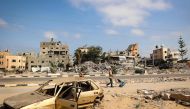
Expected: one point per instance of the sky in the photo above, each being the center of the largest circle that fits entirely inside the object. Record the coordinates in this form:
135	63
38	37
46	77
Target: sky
111	24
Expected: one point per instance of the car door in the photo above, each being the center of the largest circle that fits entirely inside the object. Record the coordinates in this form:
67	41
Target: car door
68	99
65	104
87	96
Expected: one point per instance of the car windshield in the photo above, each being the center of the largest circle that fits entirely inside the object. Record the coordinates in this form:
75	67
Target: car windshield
48	89
51	89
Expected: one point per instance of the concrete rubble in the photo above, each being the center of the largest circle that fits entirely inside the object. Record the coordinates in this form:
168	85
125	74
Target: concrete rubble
89	68
148	94
179	95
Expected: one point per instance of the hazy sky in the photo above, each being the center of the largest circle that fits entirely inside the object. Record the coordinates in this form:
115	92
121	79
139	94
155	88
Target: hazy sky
112	24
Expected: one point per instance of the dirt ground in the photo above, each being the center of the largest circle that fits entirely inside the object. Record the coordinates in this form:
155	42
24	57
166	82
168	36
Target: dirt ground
121	98
127	98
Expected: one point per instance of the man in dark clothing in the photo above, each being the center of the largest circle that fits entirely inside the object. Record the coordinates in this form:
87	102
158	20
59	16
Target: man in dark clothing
110	77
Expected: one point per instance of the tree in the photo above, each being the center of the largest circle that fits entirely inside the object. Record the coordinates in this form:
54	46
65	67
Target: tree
94	54
67	66
53	67
61	65
182	49
78	56
103	57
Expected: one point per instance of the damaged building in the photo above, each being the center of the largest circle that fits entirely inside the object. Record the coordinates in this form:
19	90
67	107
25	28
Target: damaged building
51	52
133	50
162	53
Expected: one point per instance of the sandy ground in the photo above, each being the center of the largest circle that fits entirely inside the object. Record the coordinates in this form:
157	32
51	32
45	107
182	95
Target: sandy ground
120	98
125	97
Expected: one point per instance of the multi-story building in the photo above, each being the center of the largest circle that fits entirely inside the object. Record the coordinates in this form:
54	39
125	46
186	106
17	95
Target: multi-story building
50	52
53	48
174	56
10	62
15	63
84	50
133	50
164	54
55	52
160	53
32	60
3	55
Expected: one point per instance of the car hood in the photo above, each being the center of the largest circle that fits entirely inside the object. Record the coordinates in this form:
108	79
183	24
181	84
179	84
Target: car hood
25	99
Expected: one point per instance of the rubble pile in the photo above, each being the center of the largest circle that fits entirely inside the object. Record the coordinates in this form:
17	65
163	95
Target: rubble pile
181	66
148	94
179	95
155	70
90	67
152	70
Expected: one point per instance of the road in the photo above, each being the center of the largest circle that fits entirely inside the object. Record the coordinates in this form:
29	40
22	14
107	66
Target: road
42	79
11	91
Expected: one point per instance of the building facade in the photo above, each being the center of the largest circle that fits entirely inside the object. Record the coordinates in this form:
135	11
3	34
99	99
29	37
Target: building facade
163	54
174	56
15	63
51	52
133	50
10	62
3	55
160	53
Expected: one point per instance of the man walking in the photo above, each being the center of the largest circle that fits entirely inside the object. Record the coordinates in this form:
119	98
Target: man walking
110	77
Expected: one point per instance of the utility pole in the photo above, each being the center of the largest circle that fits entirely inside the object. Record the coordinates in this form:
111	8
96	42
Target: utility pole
153	59
144	62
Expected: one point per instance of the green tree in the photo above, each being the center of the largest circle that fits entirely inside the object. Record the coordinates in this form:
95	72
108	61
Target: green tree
103	57
67	66
182	49
61	65
53	67
78	56
94	54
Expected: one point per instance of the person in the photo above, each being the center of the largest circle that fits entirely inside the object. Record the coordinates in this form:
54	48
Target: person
110	77
81	73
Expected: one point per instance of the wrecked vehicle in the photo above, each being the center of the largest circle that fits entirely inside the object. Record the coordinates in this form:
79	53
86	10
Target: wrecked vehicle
59	94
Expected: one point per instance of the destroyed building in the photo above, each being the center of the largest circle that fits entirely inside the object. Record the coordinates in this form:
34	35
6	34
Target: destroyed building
133	50
84	49
50	52
55	52
163	54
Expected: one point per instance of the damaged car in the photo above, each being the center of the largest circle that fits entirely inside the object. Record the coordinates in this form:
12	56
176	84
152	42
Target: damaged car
59	94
